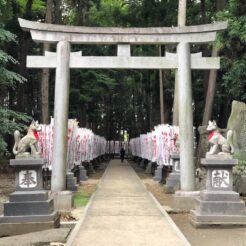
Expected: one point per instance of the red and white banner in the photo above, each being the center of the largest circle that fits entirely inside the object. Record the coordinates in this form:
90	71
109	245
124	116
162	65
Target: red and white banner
82	144
158	145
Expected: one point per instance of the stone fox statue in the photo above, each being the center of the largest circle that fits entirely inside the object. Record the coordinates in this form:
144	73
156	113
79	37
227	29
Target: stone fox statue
219	143
22	145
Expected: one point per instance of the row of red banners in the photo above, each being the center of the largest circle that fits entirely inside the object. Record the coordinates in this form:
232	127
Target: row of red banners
83	144
158	145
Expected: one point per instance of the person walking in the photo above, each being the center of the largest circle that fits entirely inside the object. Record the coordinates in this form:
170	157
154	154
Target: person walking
122	154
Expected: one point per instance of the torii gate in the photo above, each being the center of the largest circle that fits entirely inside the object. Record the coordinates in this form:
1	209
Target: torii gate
63	60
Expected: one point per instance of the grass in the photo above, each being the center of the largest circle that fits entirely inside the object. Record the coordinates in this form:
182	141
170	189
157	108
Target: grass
80	199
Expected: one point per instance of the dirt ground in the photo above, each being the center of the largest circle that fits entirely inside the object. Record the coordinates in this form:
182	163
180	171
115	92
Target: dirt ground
214	235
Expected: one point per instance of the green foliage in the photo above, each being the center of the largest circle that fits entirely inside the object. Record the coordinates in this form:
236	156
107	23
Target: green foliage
9	122
7	77
38	6
9	119
5	11
232	44
6	36
109	13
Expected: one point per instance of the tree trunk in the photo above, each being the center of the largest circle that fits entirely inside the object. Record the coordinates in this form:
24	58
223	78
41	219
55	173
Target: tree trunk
212	78
81	12
161	91
57	12
210	91
24	45
45	71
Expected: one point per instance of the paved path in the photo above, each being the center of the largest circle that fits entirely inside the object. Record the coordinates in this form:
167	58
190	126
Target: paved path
122	212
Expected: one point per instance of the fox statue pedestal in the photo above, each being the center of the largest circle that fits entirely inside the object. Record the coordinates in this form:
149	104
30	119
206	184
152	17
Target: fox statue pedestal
29	208
218	204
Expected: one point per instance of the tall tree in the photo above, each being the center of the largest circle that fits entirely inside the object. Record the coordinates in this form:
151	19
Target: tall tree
212	78
45	71
9	119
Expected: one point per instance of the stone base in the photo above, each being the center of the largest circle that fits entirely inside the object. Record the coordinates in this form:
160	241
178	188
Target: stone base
218	207
185	200
143	163
158	174
91	168
82	174
62	200
148	169
96	163
11	228
173	183
71	182
200	221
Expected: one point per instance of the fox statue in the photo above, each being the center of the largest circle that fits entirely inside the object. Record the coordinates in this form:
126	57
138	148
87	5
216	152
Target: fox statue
218	141
22	145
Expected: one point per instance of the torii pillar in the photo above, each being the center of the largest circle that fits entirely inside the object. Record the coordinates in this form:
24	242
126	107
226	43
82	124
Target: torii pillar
62	85
187	172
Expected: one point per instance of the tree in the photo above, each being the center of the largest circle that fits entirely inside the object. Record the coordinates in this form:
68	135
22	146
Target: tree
212	79
9	119
45	71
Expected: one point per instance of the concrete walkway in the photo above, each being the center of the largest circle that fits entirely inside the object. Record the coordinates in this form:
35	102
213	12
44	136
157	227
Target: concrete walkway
122	212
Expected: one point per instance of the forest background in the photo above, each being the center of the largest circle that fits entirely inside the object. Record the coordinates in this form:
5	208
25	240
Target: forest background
109	101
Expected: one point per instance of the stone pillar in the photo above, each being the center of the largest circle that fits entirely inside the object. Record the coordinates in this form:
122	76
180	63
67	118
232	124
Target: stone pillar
187	175
173	180
58	180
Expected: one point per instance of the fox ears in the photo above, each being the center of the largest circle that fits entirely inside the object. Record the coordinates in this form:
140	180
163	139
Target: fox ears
34	122
212	122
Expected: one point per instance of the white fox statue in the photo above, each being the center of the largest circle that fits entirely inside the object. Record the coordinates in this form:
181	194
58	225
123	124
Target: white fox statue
22	145
218	141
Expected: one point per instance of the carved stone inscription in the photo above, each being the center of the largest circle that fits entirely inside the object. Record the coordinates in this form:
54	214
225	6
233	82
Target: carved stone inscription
177	166
220	179
27	178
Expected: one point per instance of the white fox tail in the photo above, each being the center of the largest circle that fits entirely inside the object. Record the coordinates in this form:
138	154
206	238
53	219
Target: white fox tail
17	137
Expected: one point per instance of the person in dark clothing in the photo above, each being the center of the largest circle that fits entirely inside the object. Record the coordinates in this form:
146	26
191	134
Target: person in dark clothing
122	154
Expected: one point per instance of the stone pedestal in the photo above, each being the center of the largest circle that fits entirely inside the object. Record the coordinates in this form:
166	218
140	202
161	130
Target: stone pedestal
148	169
90	168
63	200
29	208
143	163
173	180
71	182
96	163
158	173
219	204
184	200
80	173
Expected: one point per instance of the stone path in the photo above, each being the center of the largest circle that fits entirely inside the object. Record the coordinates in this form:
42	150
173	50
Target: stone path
122	212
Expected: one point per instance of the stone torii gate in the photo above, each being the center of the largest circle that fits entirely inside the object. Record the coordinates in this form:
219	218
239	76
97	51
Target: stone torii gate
63	60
